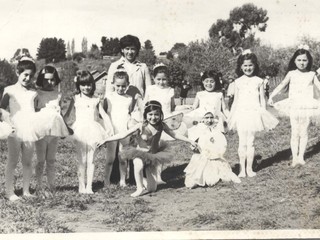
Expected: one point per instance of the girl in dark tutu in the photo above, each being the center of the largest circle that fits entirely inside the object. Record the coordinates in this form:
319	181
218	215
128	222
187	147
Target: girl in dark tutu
148	152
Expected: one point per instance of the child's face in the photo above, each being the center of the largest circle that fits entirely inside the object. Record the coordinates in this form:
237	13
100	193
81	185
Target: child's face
25	77
210	120
120	86
161	80
247	67
301	62
130	53
48	82
209	84
86	89
153	117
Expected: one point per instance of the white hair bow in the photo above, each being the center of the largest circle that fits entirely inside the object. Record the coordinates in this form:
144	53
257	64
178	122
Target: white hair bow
26	58
247	51
159	65
304	46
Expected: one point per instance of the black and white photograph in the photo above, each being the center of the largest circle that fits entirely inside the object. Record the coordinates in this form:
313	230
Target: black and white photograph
149	119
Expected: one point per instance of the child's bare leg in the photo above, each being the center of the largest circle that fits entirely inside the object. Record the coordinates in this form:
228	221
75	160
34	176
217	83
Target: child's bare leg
110	156
250	154
138	176
41	148
27	154
123	165
242	152
51	159
151	172
294	140
82	161
303	130
158	174
90	170
14	149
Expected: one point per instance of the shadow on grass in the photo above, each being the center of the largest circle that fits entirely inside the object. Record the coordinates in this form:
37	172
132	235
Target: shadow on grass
283	155
174	176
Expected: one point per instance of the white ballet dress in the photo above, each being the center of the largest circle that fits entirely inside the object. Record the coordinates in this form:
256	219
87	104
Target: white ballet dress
246	112
301	101
22	113
164	96
88	127
119	107
49	114
208	166
208	102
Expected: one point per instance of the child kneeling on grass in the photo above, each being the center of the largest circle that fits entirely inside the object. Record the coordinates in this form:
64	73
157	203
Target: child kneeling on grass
148	153
208	166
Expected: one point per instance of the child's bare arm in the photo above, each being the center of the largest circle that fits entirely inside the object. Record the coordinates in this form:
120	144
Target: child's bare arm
70	108
279	88
178	136
122	135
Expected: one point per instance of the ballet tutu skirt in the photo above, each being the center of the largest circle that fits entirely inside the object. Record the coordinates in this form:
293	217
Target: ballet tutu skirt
26	127
90	133
304	107
51	122
164	155
254	119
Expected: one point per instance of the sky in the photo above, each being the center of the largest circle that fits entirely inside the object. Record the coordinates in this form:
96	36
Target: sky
23	23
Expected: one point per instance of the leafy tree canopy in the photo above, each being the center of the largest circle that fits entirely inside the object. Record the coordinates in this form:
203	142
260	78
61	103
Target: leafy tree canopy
110	46
52	50
243	23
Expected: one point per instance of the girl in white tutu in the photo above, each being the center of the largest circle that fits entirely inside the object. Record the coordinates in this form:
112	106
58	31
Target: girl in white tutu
209	100
148	153
89	129
19	100
248	113
48	102
164	94
119	107
301	104
208	166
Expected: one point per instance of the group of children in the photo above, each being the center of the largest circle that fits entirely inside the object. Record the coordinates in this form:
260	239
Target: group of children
34	121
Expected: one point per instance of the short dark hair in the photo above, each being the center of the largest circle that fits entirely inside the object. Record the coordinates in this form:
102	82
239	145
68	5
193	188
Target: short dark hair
151	106
254	60
85	77
47	69
212	74
26	65
130	40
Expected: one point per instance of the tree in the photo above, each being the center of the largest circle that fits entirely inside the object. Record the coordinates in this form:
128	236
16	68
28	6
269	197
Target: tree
147	54
69	55
84	45
52	50
110	46
7	73
72	47
148	45
94	52
176	72
243	23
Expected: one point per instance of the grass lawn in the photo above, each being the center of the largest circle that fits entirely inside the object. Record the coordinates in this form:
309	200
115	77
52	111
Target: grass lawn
279	197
